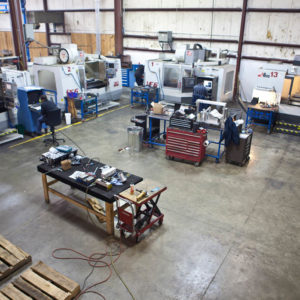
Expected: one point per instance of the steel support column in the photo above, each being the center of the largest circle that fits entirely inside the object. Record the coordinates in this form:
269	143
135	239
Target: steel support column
240	48
17	32
118	27
45	3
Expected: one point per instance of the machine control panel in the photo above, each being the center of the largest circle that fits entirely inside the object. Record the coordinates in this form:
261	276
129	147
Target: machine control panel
110	70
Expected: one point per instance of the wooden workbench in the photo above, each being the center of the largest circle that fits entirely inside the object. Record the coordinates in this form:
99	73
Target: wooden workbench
107	196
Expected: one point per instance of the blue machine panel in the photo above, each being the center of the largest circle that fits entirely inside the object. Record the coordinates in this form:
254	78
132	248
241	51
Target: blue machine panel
29	107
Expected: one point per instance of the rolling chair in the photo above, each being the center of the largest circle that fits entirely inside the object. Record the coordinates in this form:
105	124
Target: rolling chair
52	119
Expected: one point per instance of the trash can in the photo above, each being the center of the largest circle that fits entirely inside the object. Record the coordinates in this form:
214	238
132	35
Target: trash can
135	138
20	128
68	118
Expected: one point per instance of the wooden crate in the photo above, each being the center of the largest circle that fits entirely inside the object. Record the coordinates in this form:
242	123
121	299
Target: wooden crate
40	282
11	258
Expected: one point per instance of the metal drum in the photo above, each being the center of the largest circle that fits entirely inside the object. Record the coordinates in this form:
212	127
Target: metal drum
135	138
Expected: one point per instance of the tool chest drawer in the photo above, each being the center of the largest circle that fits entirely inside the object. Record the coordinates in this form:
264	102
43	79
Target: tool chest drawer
185	145
239	154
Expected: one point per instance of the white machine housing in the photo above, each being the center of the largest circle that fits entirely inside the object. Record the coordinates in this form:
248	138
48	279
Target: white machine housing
176	77
12	80
64	77
21	78
268	97
168	76
59	78
68	53
223	75
269	84
176	80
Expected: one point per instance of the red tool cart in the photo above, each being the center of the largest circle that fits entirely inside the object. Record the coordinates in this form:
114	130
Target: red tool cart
186	145
137	214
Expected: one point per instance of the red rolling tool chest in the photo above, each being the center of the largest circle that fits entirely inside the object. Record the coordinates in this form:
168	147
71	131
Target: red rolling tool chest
186	144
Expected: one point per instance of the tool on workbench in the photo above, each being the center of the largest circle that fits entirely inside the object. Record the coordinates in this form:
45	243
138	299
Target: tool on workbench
141	196
132	189
53	157
94	173
64	148
122	177
107	171
66	164
85	179
103	184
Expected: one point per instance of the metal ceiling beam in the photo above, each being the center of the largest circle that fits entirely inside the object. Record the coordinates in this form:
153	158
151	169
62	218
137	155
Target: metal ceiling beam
17	32
258	58
286	61
191	9
59	33
229	41
185	9
152	37
78	10
148	50
274	10
271	44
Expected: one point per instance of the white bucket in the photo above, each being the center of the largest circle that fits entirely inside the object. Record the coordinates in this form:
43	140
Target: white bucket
68	118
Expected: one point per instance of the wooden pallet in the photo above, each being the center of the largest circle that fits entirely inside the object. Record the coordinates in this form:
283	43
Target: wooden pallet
40	282
11	258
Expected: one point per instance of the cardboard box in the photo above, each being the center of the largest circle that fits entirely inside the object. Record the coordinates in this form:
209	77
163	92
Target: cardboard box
66	164
158	108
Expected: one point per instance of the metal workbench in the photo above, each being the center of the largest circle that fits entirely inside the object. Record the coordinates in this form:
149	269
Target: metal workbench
261	116
165	119
144	95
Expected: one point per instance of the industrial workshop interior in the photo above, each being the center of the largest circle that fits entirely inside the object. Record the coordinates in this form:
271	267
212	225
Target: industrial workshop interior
149	149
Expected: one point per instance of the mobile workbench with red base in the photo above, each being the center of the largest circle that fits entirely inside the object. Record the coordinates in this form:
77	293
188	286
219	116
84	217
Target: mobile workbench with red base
137	214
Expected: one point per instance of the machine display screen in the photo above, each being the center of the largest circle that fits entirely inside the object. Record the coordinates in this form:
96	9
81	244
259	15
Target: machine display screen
51	96
207	84
34	96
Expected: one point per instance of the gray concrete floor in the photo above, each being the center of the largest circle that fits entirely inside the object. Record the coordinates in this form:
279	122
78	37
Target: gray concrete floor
228	233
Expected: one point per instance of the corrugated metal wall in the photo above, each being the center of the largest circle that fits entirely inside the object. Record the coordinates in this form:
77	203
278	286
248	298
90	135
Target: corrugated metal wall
270	27
273	27
262	26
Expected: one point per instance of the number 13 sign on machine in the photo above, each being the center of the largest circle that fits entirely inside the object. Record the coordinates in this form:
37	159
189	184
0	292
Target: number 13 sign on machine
270	78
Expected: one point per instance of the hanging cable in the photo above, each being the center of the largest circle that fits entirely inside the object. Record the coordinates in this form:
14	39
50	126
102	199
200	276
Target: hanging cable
95	260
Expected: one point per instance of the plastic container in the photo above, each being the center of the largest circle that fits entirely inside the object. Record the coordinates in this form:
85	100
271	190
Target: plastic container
135	138
68	118
20	128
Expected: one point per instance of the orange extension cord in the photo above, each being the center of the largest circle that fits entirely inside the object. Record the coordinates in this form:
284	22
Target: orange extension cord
95	260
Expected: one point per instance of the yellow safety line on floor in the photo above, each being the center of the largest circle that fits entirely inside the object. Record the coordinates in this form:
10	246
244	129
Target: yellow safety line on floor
68	126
